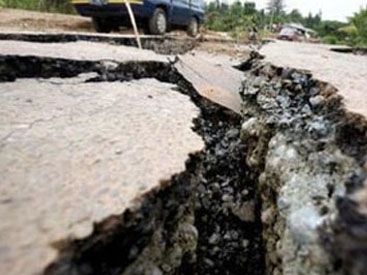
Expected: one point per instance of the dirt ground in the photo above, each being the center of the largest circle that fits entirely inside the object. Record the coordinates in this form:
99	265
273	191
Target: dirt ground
21	20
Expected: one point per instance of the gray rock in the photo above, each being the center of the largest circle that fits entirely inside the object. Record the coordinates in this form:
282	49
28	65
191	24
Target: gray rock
303	225
317	100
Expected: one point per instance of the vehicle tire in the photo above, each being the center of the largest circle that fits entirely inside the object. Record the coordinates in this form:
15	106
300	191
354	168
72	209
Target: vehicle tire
158	22
102	25
193	27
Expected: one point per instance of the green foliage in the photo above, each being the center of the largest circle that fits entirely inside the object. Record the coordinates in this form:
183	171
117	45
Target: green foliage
331	39
238	19
312	21
276	7
359	21
295	16
62	6
325	28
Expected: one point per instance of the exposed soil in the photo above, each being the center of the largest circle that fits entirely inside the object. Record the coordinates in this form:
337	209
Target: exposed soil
21	20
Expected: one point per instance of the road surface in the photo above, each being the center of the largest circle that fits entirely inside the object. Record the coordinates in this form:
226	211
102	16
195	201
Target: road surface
73	154
347	72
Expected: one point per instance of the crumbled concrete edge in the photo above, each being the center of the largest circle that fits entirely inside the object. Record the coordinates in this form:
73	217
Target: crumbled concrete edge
310	154
350	50
153	237
204	220
159	44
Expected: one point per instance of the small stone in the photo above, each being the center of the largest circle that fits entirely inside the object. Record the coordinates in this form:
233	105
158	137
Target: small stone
234	235
318	129
244	243
226	198
257	82
232	133
303	225
267	215
214	239
216	186
208	262
250	127
306	111
156	271
245	211
166	267
201	189
317	100
225	183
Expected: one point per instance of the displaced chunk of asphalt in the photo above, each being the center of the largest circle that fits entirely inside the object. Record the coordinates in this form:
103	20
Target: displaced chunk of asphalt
348	73
74	153
80	50
213	77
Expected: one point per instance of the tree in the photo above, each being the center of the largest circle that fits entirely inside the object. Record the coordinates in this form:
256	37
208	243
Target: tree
295	16
313	21
276	7
249	8
359	20
276	10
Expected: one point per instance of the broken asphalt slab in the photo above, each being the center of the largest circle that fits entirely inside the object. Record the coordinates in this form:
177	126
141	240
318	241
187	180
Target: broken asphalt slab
80	50
206	216
346	72
212	76
168	44
73	154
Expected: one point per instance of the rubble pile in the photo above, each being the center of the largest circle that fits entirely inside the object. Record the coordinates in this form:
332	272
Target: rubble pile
310	153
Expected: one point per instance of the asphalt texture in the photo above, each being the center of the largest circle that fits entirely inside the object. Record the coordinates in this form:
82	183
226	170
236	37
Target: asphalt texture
75	153
346	72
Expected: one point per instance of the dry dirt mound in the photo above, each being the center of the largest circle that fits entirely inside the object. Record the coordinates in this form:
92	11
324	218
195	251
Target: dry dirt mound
20	20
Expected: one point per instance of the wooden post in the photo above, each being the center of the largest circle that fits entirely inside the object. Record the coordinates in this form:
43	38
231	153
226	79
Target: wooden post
133	22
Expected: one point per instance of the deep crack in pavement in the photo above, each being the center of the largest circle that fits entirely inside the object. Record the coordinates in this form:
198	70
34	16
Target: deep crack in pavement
278	189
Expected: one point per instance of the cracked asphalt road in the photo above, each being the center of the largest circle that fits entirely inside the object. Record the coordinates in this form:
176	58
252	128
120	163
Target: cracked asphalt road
73	154
80	50
347	72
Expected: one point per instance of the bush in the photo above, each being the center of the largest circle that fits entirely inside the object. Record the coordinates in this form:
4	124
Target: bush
359	20
330	39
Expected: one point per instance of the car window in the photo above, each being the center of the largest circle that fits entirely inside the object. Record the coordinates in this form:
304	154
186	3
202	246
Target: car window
198	3
185	2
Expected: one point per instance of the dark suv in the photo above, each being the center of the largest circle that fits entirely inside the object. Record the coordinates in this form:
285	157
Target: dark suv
157	16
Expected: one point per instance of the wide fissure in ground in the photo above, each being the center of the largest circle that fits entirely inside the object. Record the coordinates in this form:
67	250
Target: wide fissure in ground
205	220
260	196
